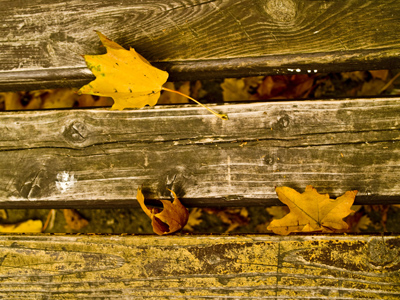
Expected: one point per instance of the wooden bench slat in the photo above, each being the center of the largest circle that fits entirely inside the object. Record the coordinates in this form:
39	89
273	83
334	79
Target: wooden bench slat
195	39
80	158
199	267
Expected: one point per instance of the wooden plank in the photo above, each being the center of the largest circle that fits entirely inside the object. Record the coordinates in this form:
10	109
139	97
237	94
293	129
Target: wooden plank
60	158
41	41
199	267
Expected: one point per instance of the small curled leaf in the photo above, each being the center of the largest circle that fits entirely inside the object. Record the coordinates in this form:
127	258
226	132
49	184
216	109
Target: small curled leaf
172	218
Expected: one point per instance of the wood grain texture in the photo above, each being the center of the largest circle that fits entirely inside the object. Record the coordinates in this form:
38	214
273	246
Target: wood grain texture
99	157
196	38
199	267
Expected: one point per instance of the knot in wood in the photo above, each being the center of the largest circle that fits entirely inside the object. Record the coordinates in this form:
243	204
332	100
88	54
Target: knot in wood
282	123
76	132
381	256
281	10
268	160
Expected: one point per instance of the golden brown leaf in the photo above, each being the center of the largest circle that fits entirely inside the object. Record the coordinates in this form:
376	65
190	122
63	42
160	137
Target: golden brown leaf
363	223
74	220
58	98
92	101
277	212
380	74
311	211
234	217
172	218
194	219
3	214
238	89
21	100
124	75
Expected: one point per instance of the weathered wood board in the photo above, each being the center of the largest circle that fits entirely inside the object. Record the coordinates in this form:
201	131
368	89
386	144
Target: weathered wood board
199	267
41	41
65	158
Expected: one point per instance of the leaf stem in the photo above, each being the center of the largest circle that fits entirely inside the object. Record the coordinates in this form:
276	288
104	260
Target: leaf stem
222	116
389	83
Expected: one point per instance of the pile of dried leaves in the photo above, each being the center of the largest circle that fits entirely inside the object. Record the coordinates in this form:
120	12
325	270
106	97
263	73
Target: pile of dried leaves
262	88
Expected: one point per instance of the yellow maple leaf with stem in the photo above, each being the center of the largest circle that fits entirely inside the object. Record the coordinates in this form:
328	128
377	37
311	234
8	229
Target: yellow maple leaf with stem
311	211
128	78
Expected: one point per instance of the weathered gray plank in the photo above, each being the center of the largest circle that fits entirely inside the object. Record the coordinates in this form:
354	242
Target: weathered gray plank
41	41
199	267
99	157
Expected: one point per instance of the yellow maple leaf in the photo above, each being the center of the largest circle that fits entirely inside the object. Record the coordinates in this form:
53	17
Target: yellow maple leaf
172	218
128	78
124	75
27	226
194	219
311	211
362	224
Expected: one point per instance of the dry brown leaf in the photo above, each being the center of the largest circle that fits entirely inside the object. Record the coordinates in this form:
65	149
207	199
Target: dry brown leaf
303	88
234	217
371	88
324	86
272	87
354	76
380	74
74	220
172	218
383	211
311	211
285	87
354	219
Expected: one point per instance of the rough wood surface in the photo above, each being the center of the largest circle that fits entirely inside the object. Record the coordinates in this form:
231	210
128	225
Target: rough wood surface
199	267
41	41
92	157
